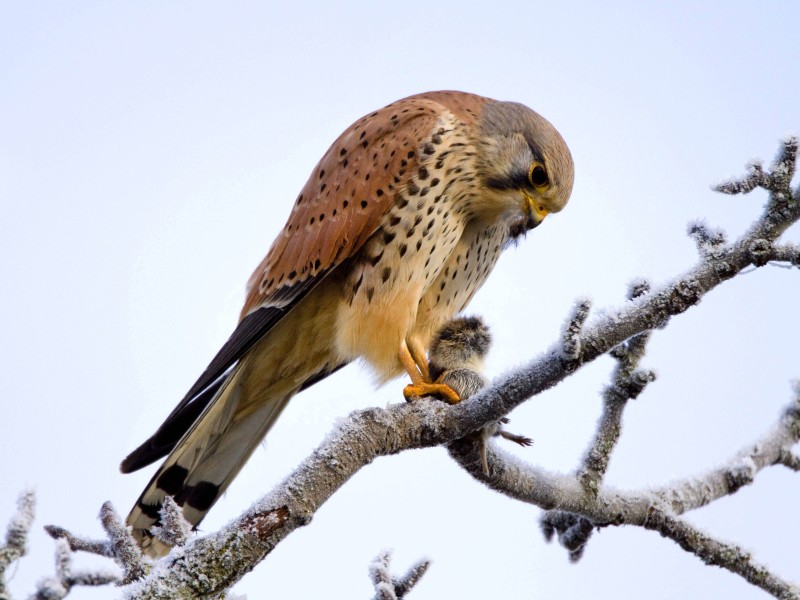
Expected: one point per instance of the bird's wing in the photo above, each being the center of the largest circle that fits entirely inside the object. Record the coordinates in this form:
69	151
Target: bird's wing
340	207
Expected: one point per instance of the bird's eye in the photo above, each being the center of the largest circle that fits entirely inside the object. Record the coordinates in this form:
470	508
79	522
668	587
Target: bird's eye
537	175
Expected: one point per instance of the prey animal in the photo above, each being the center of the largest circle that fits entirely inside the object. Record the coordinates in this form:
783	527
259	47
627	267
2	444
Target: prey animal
456	359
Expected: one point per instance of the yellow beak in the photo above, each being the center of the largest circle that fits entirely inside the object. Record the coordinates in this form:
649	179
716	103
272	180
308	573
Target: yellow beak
535	209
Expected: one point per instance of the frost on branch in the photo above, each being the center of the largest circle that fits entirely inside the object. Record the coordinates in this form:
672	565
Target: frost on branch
389	587
571	334
53	587
58	586
628	381
777	180
577	502
576	506
174	530
16	537
120	546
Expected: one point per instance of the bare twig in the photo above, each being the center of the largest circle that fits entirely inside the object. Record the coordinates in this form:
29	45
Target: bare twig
174	529
627	383
16	537
571	334
126	551
389	587
77	544
55	588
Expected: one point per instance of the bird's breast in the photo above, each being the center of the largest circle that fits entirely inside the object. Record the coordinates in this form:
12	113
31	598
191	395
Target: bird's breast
406	256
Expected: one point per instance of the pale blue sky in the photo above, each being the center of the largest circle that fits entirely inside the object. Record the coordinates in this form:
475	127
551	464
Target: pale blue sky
150	151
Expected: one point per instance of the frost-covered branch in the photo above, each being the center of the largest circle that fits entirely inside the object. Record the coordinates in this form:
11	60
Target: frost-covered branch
627	382
58	586
174	529
65	578
16	537
786	253
222	558
389	587
571	505
120	546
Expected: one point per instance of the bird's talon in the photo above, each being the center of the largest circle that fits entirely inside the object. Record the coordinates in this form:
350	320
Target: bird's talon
419	390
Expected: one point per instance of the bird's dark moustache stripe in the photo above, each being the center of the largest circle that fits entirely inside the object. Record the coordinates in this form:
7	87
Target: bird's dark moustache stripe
514	181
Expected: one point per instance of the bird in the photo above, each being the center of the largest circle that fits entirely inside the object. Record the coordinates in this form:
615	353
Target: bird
396	228
455	358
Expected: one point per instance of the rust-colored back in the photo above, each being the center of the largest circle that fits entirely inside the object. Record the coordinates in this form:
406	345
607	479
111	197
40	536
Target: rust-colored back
349	192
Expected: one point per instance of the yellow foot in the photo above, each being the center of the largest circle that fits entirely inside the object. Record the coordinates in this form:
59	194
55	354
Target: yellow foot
423	388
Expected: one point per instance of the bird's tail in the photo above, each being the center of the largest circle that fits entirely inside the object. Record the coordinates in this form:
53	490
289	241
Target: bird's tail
207	458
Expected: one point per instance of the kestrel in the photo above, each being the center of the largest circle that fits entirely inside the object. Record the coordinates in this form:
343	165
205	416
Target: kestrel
395	230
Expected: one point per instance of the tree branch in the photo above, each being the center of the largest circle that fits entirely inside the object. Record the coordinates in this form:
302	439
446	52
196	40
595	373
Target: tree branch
224	557
627	383
16	537
389	587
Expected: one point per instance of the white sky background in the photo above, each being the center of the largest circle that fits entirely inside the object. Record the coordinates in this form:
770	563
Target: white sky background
150	152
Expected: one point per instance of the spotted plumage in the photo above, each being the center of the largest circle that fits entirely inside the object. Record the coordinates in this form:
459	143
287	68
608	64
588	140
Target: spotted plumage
395	230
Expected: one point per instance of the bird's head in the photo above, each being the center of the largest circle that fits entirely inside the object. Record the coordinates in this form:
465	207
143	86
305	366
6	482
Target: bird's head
524	164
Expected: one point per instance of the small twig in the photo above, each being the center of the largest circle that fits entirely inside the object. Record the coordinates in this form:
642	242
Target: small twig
55	588
754	178
571	333
627	382
174	529
78	544
126	551
709	241
16	536
389	587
